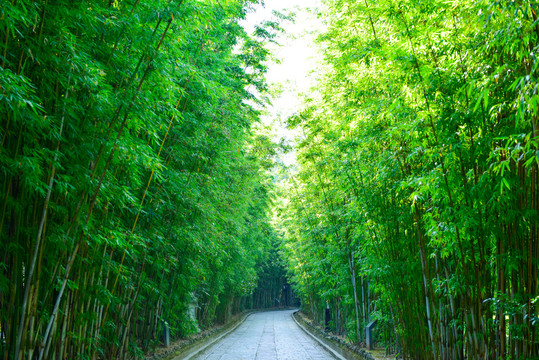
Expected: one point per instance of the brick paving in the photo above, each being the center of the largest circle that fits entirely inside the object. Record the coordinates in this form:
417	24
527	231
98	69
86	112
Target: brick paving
271	335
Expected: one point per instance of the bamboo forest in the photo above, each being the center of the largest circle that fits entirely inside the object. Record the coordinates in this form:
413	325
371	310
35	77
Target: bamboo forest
140	187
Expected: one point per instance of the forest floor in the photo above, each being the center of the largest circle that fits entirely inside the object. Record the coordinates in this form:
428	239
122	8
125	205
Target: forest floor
378	353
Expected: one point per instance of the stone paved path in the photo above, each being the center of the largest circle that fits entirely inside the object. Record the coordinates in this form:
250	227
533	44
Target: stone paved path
271	335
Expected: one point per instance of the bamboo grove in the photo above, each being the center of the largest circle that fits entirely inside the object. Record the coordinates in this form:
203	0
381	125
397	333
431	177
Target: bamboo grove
416	199
133	188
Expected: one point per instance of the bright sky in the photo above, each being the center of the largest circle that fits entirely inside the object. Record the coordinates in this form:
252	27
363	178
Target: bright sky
298	56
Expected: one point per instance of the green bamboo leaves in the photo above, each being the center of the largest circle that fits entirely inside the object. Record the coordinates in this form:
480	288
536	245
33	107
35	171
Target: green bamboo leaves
419	158
130	193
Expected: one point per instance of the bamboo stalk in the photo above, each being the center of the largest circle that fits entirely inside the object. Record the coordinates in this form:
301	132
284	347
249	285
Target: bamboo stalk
351	264
37	246
425	281
52	320
64	327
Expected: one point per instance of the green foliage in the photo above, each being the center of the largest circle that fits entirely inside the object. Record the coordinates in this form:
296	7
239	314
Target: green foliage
131	188
418	161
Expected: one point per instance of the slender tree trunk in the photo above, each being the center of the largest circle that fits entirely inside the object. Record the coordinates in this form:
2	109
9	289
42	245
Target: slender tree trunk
426	286
352	266
37	247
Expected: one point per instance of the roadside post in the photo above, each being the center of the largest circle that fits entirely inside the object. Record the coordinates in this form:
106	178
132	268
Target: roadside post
166	334
327	317
369	336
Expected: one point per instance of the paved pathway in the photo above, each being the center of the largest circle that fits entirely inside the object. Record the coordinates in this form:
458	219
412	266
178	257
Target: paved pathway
271	335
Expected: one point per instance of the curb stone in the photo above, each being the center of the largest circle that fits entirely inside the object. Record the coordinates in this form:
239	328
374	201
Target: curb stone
193	349
199	342
344	349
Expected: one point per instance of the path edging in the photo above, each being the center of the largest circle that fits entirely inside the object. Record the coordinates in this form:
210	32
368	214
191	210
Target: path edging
340	351
194	348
